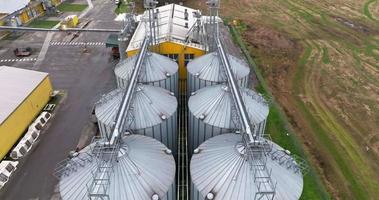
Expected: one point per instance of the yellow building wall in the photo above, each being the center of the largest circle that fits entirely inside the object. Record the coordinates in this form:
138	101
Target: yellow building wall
55	2
39	9
174	48
24	17
2	23
16	124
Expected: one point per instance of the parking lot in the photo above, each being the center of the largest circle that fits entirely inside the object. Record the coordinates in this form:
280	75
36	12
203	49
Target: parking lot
82	76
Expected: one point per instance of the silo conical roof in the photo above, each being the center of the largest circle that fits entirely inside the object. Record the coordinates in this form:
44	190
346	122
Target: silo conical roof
155	67
143	169
151	105
214	104
209	67
220	168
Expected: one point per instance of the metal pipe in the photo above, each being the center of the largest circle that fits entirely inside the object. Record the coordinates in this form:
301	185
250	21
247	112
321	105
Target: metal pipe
11	28
128	96
234	88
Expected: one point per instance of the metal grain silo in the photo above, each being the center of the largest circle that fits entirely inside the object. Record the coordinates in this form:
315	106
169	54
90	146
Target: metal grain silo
207	70
220	171
212	110
157	70
144	170
153	113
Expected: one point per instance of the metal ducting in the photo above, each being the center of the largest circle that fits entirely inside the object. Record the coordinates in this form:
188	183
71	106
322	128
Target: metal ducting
220	171
212	109
153	114
207	70
143	169
157	70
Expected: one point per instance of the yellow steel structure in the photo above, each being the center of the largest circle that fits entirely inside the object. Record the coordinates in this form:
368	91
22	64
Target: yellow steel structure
169	47
35	97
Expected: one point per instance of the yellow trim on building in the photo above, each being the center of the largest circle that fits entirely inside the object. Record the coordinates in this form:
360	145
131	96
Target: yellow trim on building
39	9
17	122
174	48
24	16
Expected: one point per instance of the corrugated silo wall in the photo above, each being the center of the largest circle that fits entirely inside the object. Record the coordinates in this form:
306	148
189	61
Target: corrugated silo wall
170	84
165	132
194	83
260	130
198	132
171	193
195	194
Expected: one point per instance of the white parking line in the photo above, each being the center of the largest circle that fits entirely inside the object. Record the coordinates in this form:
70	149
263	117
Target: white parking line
77	43
18	60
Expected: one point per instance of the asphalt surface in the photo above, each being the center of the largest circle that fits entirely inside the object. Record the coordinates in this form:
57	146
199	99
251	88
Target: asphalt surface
84	77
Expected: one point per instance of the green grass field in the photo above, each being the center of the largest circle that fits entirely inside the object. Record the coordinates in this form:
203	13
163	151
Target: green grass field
71	7
278	127
122	8
43	24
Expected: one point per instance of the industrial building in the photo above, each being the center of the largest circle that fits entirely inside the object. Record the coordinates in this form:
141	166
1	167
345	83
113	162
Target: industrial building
214	125
24	93
178	35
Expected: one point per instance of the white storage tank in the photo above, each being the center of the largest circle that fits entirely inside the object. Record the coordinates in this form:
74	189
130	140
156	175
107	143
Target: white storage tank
219	171
211	109
208	70
153	113
156	70
144	170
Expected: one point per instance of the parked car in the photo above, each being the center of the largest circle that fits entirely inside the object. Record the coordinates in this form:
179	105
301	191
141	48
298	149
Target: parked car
23	52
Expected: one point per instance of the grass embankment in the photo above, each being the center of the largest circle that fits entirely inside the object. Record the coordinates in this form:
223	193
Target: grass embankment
121	8
71	7
279	128
43	23
366	9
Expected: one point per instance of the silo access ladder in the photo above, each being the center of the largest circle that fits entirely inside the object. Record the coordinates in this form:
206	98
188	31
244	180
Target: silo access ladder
256	153
106	157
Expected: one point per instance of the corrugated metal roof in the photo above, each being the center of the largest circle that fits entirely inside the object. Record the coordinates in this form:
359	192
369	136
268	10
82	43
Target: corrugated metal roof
221	170
171	27
9	7
215	103
209	67
15	86
150	103
143	169
155	67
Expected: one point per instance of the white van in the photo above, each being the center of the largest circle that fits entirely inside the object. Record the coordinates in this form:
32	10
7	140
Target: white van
6	170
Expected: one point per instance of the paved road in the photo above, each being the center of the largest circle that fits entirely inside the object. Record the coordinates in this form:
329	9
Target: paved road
85	77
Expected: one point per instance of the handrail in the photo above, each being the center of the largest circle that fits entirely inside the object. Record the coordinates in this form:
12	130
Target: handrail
128	96
234	88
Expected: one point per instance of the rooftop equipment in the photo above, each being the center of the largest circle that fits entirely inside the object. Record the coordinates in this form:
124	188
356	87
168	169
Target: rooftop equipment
212	112
208	70
220	170
156	70
144	169
152	113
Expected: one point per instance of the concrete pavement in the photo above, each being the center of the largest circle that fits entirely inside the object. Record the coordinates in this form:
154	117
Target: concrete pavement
85	77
